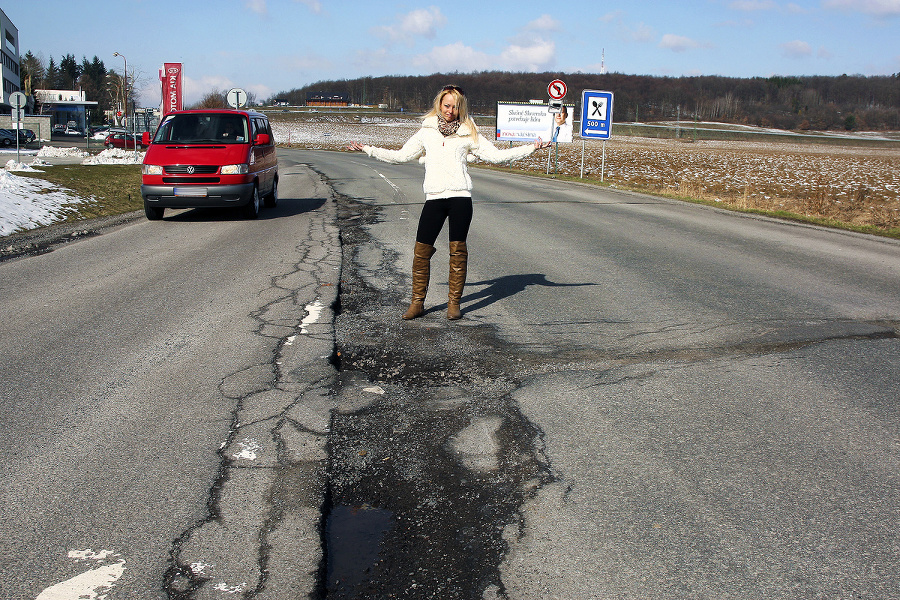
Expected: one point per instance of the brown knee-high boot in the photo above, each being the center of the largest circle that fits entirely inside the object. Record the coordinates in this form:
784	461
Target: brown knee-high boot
421	272
459	256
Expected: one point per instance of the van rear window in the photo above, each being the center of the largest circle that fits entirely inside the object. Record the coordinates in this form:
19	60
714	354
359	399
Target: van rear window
201	128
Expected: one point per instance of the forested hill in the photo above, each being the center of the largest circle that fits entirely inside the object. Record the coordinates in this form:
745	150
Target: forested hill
812	102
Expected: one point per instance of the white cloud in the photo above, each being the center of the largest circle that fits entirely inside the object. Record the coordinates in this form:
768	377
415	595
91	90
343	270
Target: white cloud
678	43
314	5
751	5
257	6
422	22
877	8
454	57
544	23
611	16
538	56
796	49
639	33
796	9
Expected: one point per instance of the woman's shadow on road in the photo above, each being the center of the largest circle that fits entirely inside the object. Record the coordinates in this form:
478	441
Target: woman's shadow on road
506	286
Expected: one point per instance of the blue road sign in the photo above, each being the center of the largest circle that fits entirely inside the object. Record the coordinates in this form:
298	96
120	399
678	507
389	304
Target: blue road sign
596	114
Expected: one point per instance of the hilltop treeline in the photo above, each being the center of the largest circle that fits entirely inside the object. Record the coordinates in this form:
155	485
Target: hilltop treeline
794	103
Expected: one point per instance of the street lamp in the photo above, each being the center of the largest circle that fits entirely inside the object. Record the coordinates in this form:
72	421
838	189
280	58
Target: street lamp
125	99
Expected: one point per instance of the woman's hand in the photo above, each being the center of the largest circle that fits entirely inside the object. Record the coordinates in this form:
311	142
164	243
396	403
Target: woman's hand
538	144
355	147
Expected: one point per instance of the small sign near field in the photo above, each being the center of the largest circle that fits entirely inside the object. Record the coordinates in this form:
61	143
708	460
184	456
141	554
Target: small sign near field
557	89
596	114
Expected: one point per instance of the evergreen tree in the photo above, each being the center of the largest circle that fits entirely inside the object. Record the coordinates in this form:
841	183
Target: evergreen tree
51	78
93	82
33	73
69	72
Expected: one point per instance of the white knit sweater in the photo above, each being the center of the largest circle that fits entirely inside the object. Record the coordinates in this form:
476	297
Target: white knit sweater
446	168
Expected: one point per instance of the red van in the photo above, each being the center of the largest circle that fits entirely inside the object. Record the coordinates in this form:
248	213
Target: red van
210	158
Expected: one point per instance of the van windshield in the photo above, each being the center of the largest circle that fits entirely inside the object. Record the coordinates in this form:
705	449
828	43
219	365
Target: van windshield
203	128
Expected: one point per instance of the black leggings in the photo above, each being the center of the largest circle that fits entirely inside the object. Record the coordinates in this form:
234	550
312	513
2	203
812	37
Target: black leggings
435	212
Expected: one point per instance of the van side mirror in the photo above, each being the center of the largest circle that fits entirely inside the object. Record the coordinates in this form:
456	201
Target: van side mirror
262	139
145	138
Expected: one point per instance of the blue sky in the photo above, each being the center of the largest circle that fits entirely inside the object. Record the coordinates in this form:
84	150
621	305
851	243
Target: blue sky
267	46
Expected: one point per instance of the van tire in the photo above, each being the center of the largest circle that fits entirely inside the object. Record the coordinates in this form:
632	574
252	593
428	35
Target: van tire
271	198
251	211
154	213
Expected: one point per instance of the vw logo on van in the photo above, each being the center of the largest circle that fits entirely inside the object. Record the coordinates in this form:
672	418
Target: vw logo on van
190	170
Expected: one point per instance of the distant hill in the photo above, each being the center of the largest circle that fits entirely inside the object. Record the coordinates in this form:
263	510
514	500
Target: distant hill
847	102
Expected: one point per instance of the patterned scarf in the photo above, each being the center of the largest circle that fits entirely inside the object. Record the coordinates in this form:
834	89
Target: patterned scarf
446	128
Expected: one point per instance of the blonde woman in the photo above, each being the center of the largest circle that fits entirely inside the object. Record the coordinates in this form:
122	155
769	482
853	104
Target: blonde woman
447	137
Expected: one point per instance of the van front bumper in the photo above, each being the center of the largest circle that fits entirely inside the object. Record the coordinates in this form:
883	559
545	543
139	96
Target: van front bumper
196	196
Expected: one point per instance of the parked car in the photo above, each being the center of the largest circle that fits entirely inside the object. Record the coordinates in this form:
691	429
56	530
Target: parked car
99	132
59	128
120	139
26	136
7	137
210	158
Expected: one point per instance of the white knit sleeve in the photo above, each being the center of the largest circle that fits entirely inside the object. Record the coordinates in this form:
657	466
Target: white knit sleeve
413	148
487	151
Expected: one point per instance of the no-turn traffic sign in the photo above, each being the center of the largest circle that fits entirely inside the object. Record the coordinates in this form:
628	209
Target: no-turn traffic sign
556	89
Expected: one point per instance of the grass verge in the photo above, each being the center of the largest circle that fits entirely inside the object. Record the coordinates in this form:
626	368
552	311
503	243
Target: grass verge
105	190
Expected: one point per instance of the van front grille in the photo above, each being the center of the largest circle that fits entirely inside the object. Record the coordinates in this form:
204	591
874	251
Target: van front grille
177	180
191	169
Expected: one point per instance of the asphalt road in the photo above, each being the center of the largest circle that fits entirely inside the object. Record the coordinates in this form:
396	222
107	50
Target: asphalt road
644	399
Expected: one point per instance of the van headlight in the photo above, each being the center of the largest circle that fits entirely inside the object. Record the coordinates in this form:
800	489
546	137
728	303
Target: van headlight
235	169
151	169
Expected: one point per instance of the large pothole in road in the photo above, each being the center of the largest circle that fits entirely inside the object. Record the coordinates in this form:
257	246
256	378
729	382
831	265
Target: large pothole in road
425	479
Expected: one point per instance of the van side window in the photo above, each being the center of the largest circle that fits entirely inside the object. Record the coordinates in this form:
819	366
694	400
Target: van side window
261	126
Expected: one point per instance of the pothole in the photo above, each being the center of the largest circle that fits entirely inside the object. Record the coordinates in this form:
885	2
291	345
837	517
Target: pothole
426	478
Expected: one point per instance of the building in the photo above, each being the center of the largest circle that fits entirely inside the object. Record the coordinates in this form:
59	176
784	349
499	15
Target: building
324	99
12	81
68	109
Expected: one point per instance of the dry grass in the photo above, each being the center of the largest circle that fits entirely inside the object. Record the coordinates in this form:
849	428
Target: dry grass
856	186
851	186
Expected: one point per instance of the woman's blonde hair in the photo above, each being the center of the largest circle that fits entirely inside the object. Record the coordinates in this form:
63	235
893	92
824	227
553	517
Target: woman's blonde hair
462	107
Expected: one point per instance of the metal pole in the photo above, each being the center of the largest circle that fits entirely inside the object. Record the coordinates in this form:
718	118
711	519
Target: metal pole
603	162
125	100
582	158
556	159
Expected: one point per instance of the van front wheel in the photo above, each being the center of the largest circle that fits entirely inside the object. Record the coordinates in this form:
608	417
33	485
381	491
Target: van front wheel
154	213
251	211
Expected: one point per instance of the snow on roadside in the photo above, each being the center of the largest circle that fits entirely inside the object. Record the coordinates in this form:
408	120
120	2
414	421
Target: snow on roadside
57	152
28	203
115	156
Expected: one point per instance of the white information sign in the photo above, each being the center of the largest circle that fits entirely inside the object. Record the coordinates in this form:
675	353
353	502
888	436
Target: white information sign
525	122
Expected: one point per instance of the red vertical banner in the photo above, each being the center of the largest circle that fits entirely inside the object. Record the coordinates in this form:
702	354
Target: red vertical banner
170	79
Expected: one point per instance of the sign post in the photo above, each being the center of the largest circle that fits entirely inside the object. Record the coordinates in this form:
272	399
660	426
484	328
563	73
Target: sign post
237	98
596	121
17	101
557	91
